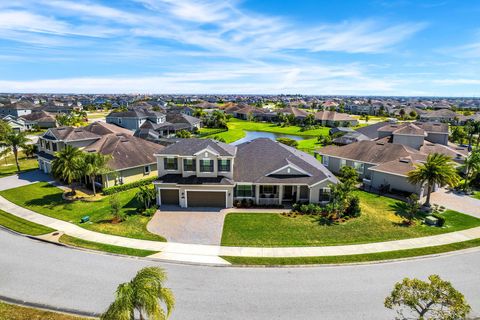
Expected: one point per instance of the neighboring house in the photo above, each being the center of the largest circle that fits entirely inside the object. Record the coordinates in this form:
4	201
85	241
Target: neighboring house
441	115
324	118
40	119
16	123
462	120
175	122
384	163
132	157
17	109
135	118
208	173
244	111
60	107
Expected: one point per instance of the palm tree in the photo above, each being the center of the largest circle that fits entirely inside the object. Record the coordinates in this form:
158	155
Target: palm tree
471	167
95	164
437	170
15	140
68	165
143	295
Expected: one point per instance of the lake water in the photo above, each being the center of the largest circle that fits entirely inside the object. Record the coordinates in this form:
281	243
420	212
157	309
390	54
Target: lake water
250	135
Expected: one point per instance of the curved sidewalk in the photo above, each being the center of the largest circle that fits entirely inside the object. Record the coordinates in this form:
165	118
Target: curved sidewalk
210	254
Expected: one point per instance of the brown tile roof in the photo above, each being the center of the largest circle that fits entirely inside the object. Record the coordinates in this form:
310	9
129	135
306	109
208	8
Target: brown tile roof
374	152
332	116
127	151
411	130
401	166
39	116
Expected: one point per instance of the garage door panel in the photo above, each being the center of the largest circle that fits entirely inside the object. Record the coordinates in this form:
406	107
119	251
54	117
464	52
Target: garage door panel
206	199
169	196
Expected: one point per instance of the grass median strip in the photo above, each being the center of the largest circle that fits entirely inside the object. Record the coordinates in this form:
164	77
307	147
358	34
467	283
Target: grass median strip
75	242
389	255
15	312
21	225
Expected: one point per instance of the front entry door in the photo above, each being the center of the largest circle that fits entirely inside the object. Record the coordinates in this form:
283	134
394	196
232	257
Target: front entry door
288	193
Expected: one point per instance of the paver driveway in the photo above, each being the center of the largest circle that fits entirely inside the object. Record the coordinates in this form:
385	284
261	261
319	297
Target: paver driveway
23	179
457	202
199	226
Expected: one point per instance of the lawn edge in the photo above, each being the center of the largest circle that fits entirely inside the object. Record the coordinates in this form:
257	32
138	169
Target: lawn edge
452	251
50	308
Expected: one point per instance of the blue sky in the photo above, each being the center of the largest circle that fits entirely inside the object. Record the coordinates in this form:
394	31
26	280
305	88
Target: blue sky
378	47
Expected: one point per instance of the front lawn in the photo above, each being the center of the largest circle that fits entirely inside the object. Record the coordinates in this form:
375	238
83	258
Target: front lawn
80	243
15	312
8	167
237	128
46	199
476	195
379	222
21	225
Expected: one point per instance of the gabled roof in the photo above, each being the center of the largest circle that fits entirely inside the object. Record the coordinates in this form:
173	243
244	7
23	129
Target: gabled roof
259	159
371	131
374	152
39	116
333	116
136	113
191	146
127	151
92	131
411	130
401	166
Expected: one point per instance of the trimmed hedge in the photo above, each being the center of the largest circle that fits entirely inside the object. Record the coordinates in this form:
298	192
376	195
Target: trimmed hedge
128	186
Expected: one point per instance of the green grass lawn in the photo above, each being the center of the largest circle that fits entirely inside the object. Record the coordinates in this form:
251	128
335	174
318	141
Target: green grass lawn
97	115
476	195
379	222
237	128
21	225
75	242
47	199
8	167
355	258
15	312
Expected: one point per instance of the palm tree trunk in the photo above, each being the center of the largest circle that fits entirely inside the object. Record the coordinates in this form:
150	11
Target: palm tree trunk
92	178
15	153
429	191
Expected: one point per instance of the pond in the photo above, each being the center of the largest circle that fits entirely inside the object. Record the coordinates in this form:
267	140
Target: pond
250	135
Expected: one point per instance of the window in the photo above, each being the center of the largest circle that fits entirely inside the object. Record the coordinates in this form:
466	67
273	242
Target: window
358	167
189	165
119	120
224	165
268	189
326	161
343	163
54	147
206	165
170	163
244	191
324	195
146	170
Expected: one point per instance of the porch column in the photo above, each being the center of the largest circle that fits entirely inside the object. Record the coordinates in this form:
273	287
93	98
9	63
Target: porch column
257	193
280	194
298	194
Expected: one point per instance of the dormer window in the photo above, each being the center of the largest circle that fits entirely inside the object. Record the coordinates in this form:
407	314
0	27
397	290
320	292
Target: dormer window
206	165
189	165
170	163
224	165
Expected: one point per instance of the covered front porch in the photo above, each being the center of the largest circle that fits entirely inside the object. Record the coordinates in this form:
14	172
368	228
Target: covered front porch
266	195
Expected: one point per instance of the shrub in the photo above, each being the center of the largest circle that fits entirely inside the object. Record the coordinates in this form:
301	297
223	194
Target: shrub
353	209
441	219
127	186
288	141
307	208
150	211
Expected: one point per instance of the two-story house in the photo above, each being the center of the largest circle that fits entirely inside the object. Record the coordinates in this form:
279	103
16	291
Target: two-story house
133	119
208	173
132	157
384	163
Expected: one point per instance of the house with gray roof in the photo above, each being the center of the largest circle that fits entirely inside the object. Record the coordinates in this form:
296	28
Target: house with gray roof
384	163
208	173
132	157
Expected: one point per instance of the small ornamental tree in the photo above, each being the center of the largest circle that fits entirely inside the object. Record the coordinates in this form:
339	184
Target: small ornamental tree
432	300
116	208
412	208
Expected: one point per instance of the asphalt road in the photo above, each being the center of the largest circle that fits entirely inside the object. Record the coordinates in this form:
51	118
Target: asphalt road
43	273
